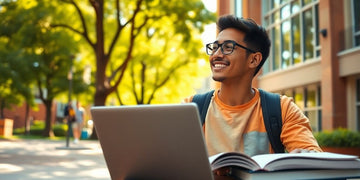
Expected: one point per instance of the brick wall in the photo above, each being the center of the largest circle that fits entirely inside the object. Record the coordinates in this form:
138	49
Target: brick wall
17	113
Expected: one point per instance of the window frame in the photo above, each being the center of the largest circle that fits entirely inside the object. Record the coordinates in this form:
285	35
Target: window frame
269	12
302	92
357	103
356	34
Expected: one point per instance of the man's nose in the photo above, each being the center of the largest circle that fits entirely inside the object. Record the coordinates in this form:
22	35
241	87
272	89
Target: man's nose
218	52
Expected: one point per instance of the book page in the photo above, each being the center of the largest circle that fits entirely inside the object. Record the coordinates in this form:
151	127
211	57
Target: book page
232	159
265	159
214	157
282	161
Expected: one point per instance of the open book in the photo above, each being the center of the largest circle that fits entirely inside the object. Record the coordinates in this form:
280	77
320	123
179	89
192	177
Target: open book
284	161
320	174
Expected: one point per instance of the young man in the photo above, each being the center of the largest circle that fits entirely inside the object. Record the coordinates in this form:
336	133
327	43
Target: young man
234	120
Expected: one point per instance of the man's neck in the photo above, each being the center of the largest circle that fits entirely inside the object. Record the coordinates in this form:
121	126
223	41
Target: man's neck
235	94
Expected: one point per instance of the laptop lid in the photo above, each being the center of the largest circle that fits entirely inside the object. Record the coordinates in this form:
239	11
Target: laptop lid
152	141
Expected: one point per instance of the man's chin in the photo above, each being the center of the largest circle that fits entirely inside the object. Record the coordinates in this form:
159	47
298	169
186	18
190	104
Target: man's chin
218	79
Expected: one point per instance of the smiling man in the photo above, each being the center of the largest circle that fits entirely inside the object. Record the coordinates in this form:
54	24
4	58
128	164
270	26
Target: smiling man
234	118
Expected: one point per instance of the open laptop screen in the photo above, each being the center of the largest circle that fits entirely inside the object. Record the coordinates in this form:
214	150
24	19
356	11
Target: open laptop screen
152	141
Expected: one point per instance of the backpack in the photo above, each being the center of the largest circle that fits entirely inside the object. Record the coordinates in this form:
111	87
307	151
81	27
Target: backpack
271	108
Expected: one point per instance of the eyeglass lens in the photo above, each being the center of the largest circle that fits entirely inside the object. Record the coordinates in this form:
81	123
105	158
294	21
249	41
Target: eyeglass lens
226	48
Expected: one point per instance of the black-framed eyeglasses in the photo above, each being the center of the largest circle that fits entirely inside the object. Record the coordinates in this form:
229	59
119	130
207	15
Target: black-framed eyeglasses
227	47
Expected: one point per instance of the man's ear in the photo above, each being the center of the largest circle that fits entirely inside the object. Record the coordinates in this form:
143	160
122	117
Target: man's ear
255	60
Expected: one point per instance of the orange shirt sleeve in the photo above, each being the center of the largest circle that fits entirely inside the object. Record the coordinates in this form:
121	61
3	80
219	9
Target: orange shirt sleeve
296	131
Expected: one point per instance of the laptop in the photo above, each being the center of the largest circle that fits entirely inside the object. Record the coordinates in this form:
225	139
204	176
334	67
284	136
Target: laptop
152	142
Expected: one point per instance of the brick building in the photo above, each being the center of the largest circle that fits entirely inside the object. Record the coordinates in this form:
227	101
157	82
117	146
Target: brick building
17	113
315	55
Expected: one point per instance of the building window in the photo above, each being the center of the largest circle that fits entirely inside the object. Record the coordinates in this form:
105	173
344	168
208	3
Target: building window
299	98
313	107
292	27
356	15
358	104
238	8
308	99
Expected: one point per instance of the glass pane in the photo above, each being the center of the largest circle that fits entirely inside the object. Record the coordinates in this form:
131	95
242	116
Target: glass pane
317	45
276	16
266	21
311	98
285	11
358	103
358	117
313	120
320	120
299	99
285	37
318	53
266	66
296	33
305	2
295	6
266	5
358	90
275	3
357	40
276	48
238	8
356	15
319	96
308	35
317	25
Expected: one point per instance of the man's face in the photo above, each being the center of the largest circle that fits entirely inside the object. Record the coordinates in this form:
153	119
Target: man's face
232	66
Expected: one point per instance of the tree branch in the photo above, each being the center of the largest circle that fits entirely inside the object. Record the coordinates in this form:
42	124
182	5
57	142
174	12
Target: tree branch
83	23
118	29
164	81
121	69
41	93
133	83
143	79
137	9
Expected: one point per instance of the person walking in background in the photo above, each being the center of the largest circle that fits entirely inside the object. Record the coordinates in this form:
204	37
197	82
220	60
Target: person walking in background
78	123
69	113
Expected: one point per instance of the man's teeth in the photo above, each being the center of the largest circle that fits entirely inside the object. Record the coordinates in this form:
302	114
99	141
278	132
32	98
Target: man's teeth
219	65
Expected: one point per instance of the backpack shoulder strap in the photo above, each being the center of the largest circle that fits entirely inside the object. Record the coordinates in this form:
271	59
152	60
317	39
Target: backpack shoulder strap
203	101
271	108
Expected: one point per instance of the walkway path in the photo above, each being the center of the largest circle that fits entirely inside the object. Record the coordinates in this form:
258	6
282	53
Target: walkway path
49	159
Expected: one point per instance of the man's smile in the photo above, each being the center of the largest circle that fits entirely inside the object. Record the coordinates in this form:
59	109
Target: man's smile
218	65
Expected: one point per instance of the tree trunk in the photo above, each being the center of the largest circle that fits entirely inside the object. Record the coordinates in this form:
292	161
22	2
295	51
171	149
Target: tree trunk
101	61
100	98
27	120
2	104
48	131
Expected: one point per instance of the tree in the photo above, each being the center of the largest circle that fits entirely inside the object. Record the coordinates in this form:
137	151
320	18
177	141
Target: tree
162	69
15	78
129	19
47	53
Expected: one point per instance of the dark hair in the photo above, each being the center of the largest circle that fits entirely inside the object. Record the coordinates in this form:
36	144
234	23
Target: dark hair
256	37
